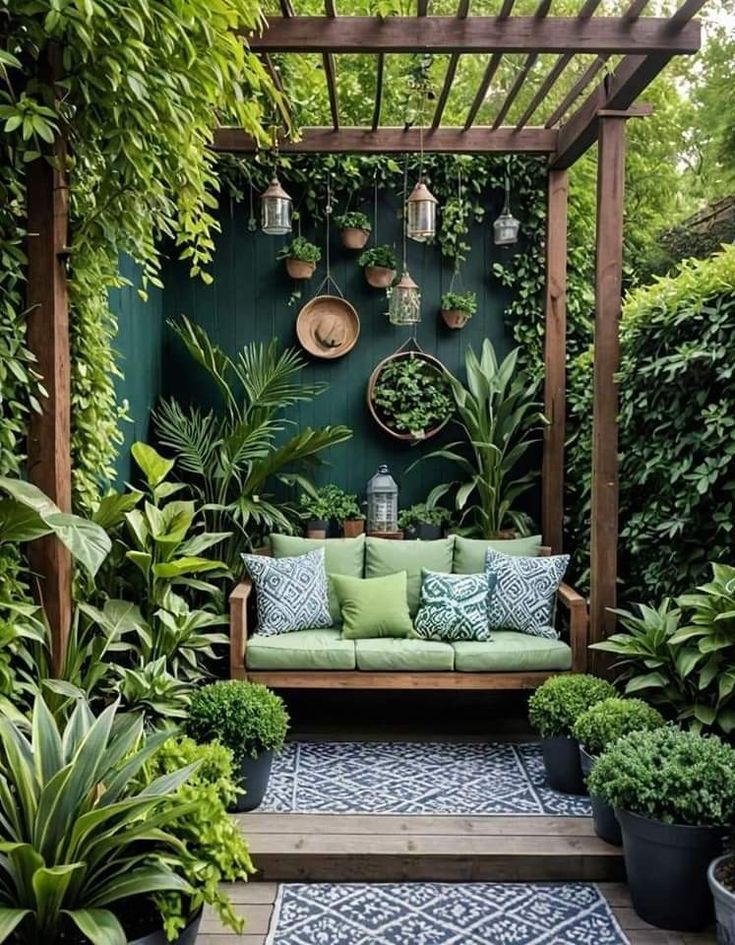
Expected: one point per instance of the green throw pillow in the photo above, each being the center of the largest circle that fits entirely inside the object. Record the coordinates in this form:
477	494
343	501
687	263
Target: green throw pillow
385	556
469	553
373	607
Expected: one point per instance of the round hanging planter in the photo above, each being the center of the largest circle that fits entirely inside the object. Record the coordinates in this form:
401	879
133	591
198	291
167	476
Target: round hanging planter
354	237
379	277
254	774
666	867
563	767
299	268
604	820
389	419
724	897
454	317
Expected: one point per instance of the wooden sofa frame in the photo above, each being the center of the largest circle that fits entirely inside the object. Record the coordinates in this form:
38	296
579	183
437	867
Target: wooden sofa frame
571	602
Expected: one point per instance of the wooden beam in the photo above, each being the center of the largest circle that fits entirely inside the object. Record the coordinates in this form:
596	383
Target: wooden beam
442	34
464	9
608	288
330	71
528	64
378	91
582	83
552	483
49	457
399	140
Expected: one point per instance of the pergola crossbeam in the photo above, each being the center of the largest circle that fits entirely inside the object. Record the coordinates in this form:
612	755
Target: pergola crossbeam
464	9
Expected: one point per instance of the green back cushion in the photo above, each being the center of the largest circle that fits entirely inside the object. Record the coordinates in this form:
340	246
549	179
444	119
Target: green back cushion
384	556
373	607
469	553
341	556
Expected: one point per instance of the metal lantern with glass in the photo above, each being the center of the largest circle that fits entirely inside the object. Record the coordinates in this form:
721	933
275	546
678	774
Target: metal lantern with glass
421	214
506	227
382	503
275	210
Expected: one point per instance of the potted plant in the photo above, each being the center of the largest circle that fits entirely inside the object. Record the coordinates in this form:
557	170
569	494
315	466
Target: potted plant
422	522
721	876
411	397
248	719
355	229
674	795
457	308
379	264
301	257
317	510
552	711
350	515
598	728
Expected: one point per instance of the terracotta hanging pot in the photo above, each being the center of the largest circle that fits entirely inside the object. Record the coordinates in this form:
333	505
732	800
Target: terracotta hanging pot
299	269
379	277
454	317
354	238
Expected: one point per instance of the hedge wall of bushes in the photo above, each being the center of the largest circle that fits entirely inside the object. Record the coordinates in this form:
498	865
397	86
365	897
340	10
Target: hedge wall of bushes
677	432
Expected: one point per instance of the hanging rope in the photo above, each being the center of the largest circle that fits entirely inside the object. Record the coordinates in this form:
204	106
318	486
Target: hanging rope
375	208
252	222
405	197
327	280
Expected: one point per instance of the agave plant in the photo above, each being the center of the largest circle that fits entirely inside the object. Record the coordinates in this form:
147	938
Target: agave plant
233	458
499	416
79	827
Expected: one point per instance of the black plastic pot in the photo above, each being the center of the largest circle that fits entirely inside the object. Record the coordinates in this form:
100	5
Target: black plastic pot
317	528
603	816
423	531
255	773
563	767
666	865
724	903
188	935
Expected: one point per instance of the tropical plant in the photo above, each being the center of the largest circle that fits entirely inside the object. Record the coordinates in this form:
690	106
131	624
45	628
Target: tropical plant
382	256
329	503
315	507
669	775
80	831
465	302
412	396
607	721
499	416
232	459
555	706
422	514
300	248
245	717
354	220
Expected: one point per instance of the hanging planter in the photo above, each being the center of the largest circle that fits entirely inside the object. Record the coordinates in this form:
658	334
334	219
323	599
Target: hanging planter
457	308
354	229
409	396
379	264
404	306
301	258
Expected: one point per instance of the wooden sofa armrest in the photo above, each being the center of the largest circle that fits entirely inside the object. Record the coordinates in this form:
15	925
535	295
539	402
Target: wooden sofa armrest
239	627
576	607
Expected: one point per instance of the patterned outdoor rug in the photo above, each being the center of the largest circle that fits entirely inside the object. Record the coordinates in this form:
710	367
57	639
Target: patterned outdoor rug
444	914
414	778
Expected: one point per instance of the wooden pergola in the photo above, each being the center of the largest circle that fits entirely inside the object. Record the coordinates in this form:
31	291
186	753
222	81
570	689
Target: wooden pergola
629	51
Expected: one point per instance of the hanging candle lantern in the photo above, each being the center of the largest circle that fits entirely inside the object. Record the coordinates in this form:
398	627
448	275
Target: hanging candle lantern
421	214
506	227
404	307
382	502
275	210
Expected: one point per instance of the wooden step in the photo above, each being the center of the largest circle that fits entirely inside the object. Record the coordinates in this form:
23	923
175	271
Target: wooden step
394	848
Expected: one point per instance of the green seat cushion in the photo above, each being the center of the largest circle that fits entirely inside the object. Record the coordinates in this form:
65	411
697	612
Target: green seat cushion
397	656
373	607
384	556
469	553
341	556
510	651
303	649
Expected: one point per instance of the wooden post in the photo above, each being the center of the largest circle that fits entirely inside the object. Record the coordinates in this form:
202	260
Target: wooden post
552	489
608	287
49	456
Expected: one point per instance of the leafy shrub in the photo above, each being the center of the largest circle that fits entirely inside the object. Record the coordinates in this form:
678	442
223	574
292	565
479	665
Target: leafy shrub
382	255
669	775
422	514
300	248
412	396
245	717
355	220
461	301
330	503
607	721
557	704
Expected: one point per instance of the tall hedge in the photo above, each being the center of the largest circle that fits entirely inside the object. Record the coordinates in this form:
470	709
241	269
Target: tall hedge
677	432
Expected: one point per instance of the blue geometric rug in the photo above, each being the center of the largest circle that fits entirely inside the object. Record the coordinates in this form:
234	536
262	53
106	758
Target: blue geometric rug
443	914
415	778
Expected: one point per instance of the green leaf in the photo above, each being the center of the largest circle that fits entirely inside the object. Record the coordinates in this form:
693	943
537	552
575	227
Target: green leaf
154	467
100	926
9	921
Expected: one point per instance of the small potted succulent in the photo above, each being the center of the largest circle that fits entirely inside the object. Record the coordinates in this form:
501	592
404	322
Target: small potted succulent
553	711
422	522
596	730
674	795
457	308
248	719
301	257
379	264
721	876
317	511
355	229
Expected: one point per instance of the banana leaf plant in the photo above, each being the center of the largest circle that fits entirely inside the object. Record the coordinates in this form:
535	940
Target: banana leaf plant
500	418
80	830
235	456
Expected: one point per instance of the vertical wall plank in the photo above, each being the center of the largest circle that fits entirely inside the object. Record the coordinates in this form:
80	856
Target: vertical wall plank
608	286
552	489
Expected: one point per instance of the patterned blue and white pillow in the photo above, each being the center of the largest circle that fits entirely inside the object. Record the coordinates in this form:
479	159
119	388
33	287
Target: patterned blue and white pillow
290	593
454	606
525	592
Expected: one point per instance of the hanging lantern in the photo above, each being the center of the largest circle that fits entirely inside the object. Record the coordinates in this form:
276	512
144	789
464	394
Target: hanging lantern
404	307
382	502
275	210
506	227
421	214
